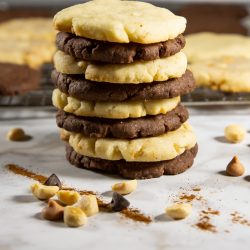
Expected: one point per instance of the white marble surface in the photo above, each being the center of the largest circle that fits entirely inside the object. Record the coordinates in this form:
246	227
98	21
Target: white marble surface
21	227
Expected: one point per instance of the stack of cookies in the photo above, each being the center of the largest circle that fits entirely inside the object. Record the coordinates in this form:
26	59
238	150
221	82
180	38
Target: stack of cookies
119	74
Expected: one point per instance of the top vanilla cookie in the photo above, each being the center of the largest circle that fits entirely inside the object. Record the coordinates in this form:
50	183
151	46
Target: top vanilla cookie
120	21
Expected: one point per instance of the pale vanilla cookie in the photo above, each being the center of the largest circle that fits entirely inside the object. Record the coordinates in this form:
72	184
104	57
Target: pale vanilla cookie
113	110
206	45
27	41
150	149
138	72
120	21
28	29
229	74
23	52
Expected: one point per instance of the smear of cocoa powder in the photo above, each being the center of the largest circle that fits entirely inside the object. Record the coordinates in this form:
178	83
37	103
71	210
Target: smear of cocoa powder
210	211
189	197
130	213
24	172
205	224
136	215
237	218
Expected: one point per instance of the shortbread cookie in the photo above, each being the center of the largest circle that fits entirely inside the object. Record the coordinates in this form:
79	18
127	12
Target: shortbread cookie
27	41
229	74
18	79
113	110
82	89
93	50
32	53
130	21
159	148
134	170
28	29
203	46
123	129
133	73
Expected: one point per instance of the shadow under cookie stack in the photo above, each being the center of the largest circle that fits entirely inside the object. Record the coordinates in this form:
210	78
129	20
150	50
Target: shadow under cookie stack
119	74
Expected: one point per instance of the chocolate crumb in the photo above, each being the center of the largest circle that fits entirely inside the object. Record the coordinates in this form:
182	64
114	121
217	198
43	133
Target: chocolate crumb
205	224
53	180
210	211
237	218
118	202
187	198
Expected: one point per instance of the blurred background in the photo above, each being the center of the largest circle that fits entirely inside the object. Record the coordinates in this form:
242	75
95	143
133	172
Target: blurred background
27	47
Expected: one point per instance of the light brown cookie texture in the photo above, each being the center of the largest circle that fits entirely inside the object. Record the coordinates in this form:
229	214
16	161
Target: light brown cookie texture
131	21
228	74
134	170
208	45
158	148
113	110
133	73
27	41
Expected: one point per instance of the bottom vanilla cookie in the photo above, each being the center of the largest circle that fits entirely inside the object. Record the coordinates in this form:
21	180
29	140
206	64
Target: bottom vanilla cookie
134	170
150	149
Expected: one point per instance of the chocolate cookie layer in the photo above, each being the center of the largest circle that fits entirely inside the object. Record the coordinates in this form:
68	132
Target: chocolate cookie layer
218	18
93	50
134	170
125	128
18	79
82	89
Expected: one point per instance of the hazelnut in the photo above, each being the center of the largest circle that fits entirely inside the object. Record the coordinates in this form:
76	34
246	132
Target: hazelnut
235	133
74	216
88	204
68	197
179	211
53	211
43	192
16	134
235	168
125	187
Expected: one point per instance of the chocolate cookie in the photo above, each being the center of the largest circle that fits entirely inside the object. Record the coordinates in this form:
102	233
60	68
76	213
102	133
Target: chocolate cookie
216	25
82	89
9	14
109	52
18	79
232	11
134	170
219	18
126	128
